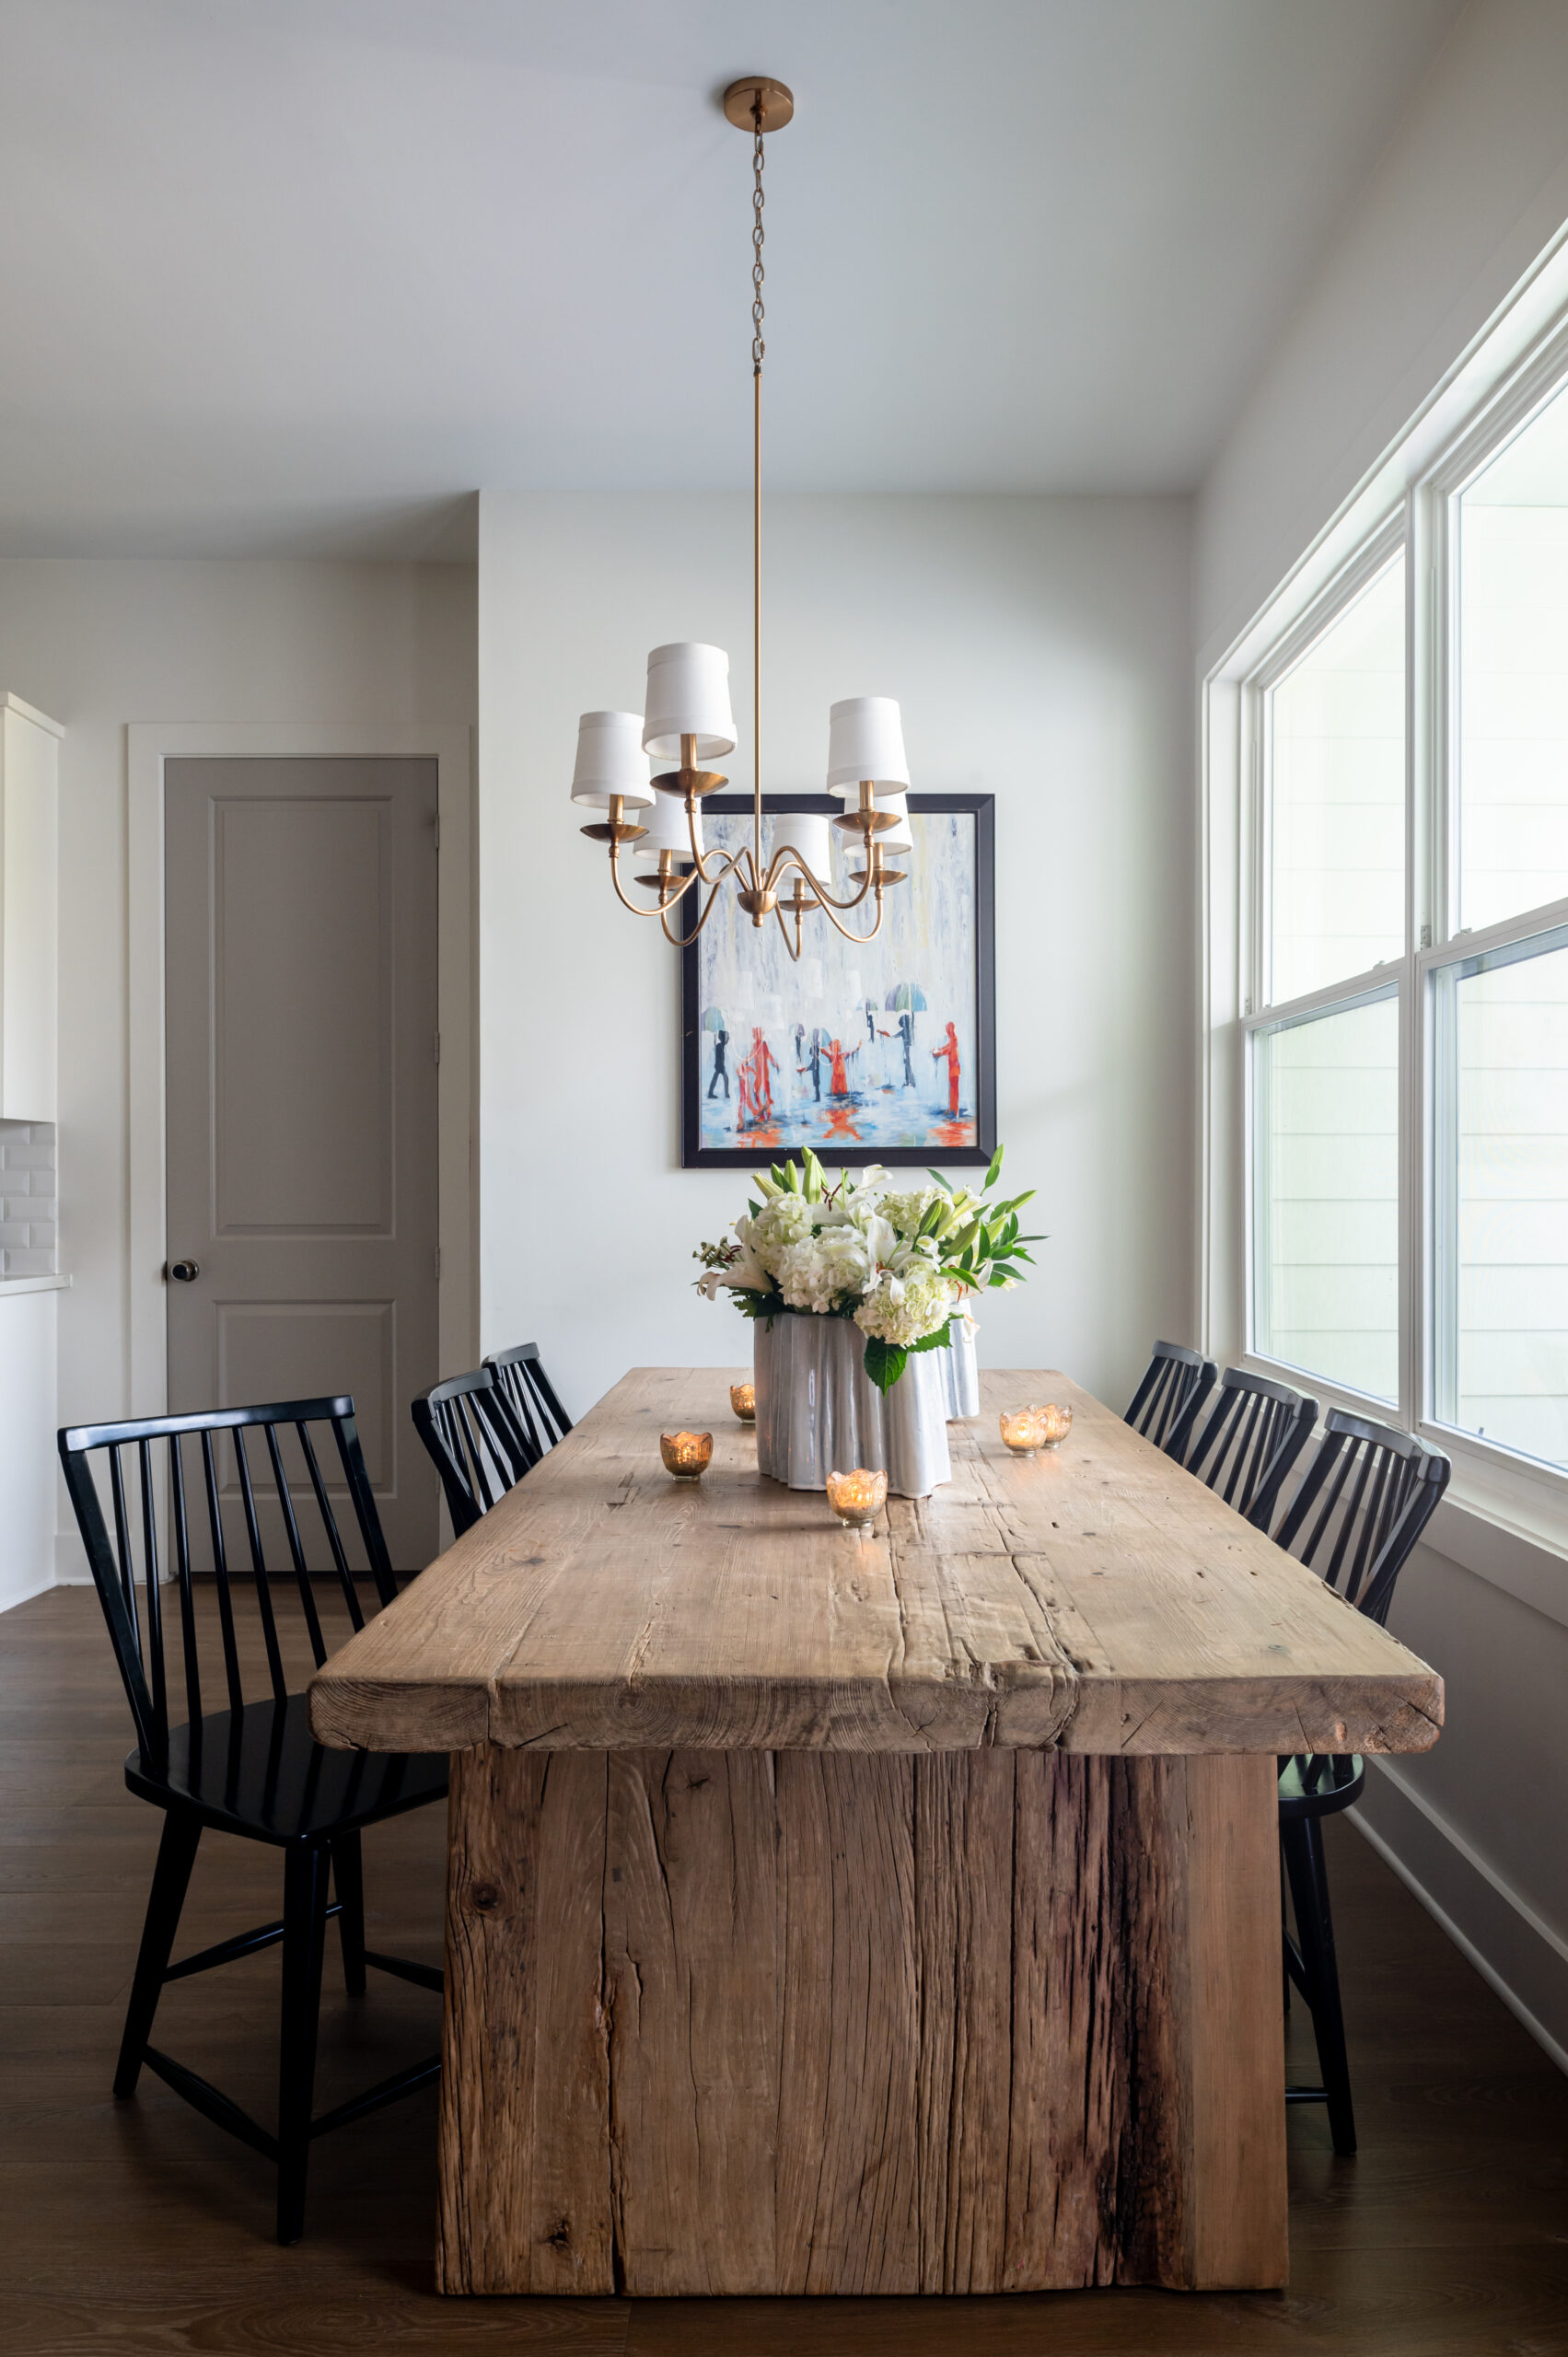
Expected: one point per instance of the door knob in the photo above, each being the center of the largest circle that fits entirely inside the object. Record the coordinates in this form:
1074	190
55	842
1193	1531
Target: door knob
187	1271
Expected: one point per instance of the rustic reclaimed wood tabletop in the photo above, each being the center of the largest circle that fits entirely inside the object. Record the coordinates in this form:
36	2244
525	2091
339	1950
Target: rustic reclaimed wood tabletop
888	1914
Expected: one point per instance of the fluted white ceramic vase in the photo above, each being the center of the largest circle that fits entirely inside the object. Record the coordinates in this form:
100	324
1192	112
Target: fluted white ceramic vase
819	1412
960	1374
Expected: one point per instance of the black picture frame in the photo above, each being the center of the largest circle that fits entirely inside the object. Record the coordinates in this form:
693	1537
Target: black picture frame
694	1155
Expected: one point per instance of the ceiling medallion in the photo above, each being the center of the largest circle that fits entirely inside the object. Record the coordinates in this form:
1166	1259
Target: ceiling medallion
687	720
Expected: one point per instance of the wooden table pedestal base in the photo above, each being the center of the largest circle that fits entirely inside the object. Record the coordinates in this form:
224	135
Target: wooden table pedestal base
757	2022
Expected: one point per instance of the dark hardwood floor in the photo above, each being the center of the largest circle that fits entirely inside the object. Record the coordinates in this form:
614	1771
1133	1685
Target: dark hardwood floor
137	2227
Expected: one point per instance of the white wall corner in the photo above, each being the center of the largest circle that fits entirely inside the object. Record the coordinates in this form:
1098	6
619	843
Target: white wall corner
1517	1953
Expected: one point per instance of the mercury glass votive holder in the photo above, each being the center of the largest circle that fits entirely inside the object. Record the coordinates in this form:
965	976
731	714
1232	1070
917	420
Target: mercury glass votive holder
686	1455
1025	1429
858	1498
743	1400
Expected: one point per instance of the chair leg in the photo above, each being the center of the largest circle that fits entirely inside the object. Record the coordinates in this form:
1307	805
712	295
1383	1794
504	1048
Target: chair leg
348	1877
304	1939
1285	1933
171	1877
1303	1842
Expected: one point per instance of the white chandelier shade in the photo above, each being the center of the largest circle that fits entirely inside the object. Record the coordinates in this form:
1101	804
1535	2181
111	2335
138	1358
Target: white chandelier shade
687	696
811	835
610	761
893	805
668	829
866	742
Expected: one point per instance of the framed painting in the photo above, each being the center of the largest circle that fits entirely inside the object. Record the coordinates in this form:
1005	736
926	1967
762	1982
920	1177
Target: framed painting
881	1051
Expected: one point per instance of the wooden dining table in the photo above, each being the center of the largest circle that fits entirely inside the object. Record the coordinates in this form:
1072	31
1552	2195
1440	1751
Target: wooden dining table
898	1913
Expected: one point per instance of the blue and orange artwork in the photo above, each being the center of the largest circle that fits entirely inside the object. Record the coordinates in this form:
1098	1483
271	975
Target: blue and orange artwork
861	1047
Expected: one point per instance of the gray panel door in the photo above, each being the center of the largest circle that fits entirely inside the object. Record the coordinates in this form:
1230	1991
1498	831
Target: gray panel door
300	972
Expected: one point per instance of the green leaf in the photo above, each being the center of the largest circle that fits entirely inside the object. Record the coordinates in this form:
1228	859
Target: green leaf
885	1362
995	1172
934	1342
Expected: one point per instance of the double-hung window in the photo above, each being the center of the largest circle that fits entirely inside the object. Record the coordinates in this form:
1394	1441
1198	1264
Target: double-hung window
1401	867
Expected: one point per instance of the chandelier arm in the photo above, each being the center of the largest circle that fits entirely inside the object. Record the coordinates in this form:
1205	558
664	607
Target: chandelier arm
786	854
794	948
677	892
684	940
729	863
620	889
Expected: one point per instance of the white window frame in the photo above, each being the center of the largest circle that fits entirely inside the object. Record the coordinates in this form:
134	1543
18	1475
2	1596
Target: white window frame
1408	500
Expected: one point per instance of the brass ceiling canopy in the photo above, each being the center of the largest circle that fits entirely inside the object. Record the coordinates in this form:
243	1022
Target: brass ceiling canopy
740	103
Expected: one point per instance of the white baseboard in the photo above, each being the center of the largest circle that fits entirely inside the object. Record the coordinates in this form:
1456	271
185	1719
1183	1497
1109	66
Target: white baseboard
1513	1948
71	1566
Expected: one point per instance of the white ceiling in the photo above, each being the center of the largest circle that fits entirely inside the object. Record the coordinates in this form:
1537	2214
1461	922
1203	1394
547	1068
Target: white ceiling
283	275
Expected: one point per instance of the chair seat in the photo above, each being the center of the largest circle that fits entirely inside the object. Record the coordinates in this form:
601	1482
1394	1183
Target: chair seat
1320	1783
260	1772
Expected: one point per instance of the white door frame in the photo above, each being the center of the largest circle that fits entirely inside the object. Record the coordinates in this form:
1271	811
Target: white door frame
450	745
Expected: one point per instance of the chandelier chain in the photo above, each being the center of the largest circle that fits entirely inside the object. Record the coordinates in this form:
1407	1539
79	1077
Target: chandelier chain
758	346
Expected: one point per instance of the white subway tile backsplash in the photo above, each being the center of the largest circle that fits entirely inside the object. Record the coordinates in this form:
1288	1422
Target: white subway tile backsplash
28	1234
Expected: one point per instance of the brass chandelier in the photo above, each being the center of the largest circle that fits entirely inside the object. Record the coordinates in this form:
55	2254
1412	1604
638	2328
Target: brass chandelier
688	719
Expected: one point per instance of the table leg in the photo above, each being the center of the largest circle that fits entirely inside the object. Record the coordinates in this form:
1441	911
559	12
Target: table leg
827	2022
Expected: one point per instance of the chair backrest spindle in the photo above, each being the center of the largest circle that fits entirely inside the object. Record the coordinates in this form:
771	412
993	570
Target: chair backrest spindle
474	1442
1247	1444
530	1397
125	1551
1361	1504
1175	1384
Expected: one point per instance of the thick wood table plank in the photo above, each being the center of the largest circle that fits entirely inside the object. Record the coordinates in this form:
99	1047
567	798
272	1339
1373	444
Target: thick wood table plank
1096	1600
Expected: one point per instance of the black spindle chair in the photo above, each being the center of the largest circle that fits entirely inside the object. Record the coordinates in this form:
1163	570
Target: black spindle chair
1175	1382
528	1392
251	1768
477	1445
1363	1503
1247	1442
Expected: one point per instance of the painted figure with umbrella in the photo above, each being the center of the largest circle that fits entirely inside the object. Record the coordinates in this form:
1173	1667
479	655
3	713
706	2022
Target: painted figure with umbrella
715	1026
906	1001
818	1045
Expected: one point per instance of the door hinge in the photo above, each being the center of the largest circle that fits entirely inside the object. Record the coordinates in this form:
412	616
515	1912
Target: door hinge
438	1047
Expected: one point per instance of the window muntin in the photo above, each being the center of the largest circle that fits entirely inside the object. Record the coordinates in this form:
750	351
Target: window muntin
1326	1166
1500	1184
1513	676
1336	835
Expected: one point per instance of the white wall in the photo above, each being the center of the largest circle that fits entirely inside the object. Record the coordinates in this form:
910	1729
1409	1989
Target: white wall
1041	651
98	644
1471	191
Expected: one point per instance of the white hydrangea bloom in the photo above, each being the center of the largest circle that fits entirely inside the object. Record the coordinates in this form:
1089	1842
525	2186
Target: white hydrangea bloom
786	1220
817	1273
906	1304
906	1211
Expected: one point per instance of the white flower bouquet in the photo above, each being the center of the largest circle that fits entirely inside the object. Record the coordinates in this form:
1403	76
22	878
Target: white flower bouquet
899	1262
